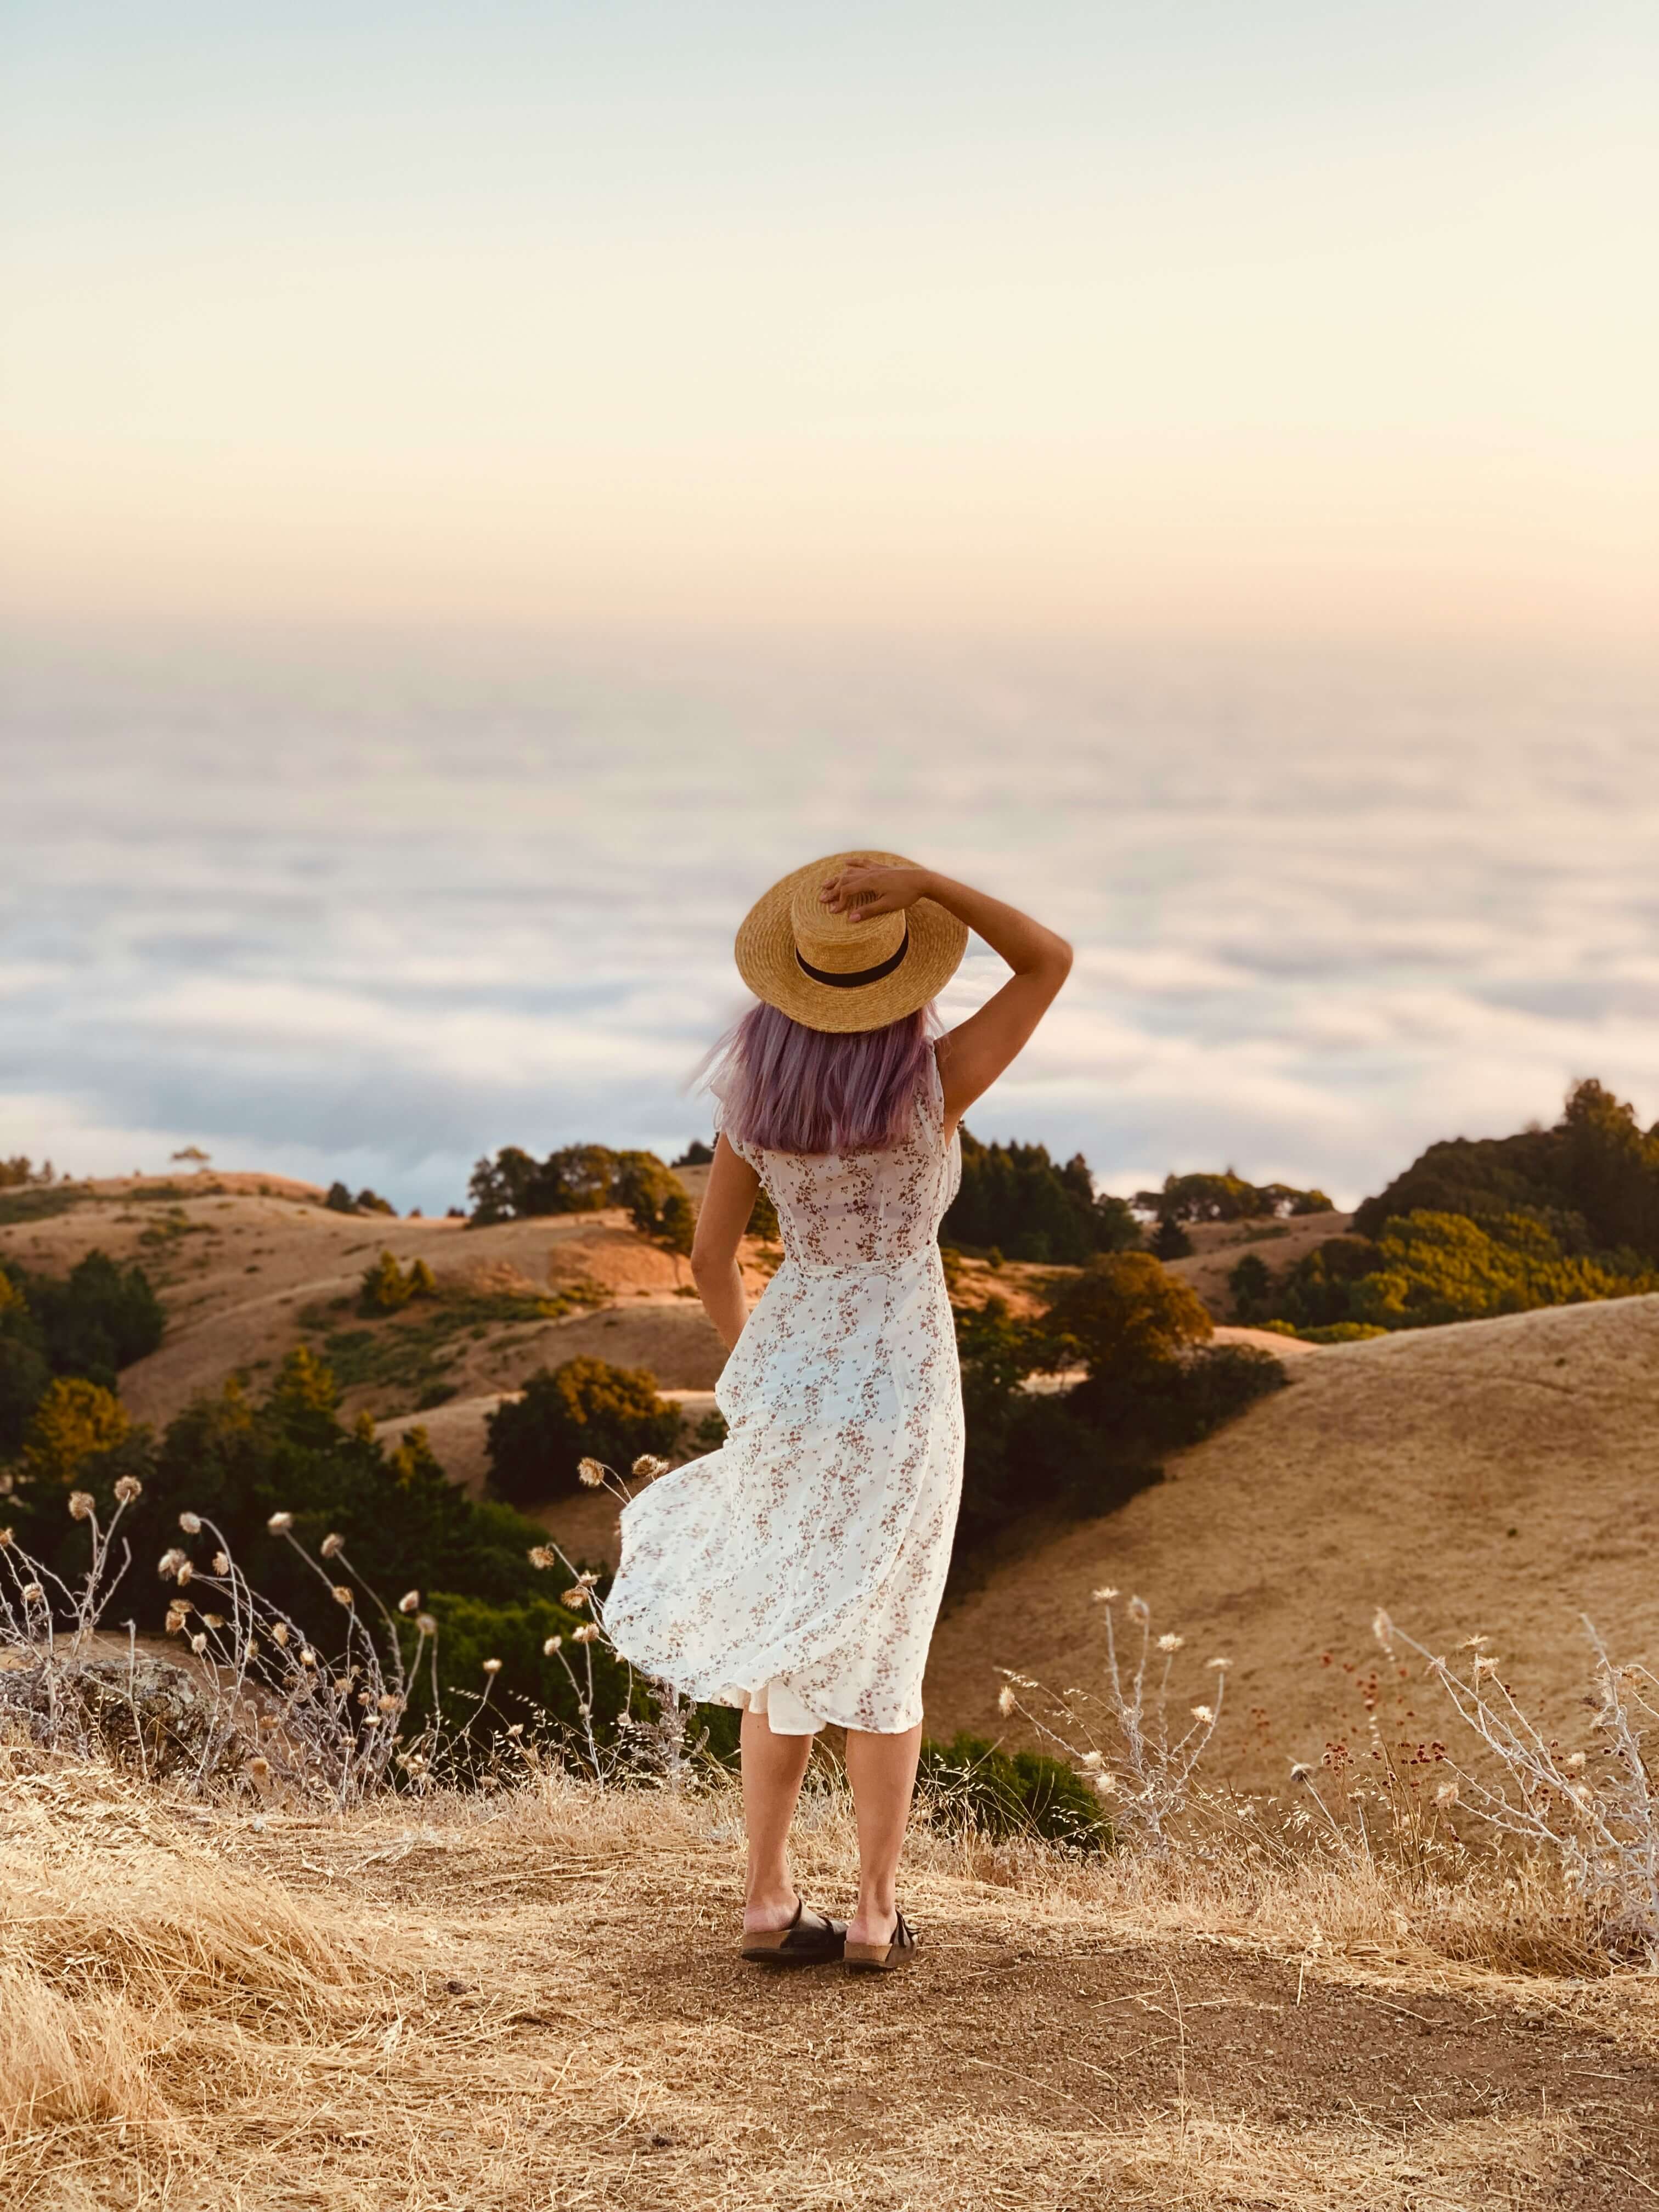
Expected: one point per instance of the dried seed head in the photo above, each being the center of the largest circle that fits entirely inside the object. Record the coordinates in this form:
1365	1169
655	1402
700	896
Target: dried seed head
574	1598
542	1556
177	1616
388	1703
1473	1643
128	1487
409	1600
517	1728
1575	1764
1383	1629
280	1523
190	1523
1006	1699
588	1578
590	1473
1169	1642
279	1632
1104	1595
251	1649
553	1644
32	1594
1106	1785
1205	1714
6	1539
1092	1759
586	1633
332	1546
1483	1665
308	1657
1301	1771
199	1645
82	1504
170	1562
1217	1666
213	1620
185	1571
648	1467
492	1666
1446	1794
426	1623
221	1563
1139	1609
259	1765
343	1595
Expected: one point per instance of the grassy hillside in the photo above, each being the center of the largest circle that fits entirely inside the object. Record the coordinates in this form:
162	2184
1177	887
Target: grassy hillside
245	1275
1497	1476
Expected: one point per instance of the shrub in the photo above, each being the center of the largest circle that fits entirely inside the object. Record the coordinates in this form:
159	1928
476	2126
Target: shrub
584	1409
75	1421
695	1155
1338	1331
97	1319
386	1287
1002	1794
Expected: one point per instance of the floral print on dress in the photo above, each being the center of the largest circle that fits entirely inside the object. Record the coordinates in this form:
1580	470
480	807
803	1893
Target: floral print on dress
811	1548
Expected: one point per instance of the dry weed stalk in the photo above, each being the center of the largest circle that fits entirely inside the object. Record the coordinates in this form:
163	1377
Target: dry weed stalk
1595	1813
1141	1768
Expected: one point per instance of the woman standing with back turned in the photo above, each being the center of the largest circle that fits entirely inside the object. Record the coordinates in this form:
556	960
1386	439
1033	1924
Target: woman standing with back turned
797	1571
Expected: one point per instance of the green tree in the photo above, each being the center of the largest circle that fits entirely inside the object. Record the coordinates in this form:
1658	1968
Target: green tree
1170	1241
1127	1316
1251	1285
763	1218
642	1184
585	1408
695	1155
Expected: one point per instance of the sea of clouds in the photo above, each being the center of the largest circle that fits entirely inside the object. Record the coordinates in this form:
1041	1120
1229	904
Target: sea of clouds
369	908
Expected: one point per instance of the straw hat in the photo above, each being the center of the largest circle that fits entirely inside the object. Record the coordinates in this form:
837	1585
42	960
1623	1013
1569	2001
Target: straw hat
829	972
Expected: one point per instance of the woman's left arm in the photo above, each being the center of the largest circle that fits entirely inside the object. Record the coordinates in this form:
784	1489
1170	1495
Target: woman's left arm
722	1220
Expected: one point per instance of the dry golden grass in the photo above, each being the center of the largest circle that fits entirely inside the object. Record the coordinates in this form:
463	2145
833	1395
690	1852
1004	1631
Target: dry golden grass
536	2002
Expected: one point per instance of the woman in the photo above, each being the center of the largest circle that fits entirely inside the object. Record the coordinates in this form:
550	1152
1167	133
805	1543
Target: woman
796	1572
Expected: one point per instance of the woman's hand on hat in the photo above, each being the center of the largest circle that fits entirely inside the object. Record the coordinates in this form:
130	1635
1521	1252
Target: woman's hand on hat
866	888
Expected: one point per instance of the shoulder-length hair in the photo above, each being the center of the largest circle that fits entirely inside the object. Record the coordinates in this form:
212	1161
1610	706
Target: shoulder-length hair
784	1088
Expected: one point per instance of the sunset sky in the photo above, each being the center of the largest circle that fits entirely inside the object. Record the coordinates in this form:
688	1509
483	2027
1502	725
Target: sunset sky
486	488
1193	318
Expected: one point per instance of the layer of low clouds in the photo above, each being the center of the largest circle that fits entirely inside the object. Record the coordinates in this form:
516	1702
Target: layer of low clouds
370	910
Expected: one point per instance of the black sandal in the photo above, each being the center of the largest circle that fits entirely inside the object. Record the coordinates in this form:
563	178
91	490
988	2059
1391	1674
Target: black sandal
900	1950
811	1939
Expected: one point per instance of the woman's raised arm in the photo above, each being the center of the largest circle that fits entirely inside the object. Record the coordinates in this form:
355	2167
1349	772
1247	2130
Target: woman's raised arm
973	1054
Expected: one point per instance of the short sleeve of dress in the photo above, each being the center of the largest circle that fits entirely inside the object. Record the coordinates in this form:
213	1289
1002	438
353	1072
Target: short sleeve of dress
746	1152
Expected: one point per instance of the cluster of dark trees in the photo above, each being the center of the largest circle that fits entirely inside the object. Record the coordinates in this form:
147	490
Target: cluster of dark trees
514	1186
340	1200
91	1324
1484	1225
1016	1201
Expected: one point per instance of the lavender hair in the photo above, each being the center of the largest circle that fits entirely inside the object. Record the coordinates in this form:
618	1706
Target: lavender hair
785	1088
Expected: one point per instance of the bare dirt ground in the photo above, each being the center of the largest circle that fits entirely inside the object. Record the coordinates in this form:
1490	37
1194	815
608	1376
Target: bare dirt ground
1218	1246
1498	1476
536	2003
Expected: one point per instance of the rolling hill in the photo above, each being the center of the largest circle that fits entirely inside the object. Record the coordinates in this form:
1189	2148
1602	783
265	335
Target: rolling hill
1498	1476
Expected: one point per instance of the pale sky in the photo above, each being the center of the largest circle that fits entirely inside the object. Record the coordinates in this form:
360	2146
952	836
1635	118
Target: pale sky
1286	320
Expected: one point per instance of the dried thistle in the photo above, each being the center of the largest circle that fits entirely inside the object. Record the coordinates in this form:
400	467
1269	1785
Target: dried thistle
492	1666
82	1504
646	1468
1170	1642
590	1473
280	1523
426	1623
586	1634
409	1600
169	1563
553	1644
190	1523
127	1487
332	1546
343	1595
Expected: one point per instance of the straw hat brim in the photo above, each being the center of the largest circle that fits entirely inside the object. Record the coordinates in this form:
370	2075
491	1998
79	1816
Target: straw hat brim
766	957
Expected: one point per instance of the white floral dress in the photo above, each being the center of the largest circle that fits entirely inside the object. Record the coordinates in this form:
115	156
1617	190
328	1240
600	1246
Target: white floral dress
798	1568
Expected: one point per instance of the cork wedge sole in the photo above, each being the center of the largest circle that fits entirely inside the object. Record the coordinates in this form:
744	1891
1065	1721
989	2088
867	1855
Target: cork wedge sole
811	1939
882	1958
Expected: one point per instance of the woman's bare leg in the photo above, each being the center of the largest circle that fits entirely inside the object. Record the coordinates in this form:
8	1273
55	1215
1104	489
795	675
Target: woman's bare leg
772	1769
882	1770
